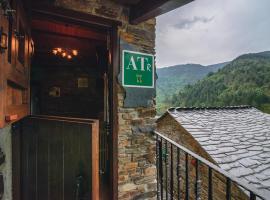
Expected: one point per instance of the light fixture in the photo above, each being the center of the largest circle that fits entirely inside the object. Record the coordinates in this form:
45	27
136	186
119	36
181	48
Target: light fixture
59	50
3	40
75	52
54	51
65	52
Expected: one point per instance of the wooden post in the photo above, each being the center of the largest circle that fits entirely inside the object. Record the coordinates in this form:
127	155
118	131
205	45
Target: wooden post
95	160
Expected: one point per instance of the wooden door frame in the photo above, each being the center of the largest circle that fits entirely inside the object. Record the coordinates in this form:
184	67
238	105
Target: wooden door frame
84	19
115	48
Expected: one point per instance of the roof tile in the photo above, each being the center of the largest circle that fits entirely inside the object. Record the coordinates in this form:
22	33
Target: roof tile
237	138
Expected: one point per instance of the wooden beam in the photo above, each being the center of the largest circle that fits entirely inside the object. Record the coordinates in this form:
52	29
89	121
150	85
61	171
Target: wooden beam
149	9
69	30
49	41
127	2
72	16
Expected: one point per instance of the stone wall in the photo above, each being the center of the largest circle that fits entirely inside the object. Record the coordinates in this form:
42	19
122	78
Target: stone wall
136	155
136	147
169	127
6	167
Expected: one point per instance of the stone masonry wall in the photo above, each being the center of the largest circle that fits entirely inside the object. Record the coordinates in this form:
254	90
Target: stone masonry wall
136	147
6	167
168	126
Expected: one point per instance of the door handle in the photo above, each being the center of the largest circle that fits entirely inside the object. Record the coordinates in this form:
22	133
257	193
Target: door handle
79	188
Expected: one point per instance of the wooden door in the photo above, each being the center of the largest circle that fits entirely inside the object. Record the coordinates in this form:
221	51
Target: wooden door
59	159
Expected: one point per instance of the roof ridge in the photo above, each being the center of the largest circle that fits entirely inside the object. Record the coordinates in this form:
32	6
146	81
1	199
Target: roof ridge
172	109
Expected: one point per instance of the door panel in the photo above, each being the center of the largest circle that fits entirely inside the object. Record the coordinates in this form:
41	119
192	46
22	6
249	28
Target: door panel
28	160
59	159
42	159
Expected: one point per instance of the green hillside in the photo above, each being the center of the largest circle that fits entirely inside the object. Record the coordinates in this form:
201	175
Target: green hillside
172	79
246	80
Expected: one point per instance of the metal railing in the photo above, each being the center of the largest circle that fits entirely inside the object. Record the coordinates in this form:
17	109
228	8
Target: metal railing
171	184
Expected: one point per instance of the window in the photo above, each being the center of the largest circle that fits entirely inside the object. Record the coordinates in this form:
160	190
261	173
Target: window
21	47
10	26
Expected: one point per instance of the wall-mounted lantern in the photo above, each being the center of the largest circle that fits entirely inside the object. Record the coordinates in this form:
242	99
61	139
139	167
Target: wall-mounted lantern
3	40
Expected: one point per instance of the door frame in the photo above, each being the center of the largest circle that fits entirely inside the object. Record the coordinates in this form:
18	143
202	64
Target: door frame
80	18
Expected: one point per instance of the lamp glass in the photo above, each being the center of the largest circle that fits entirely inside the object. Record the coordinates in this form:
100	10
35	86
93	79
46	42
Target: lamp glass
75	52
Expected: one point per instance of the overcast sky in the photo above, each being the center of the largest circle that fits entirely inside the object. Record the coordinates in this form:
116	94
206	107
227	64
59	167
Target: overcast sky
212	31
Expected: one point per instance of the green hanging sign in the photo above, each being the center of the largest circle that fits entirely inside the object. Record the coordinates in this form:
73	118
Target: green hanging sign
137	69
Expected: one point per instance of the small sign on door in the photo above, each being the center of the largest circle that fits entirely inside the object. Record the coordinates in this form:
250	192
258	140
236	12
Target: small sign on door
83	82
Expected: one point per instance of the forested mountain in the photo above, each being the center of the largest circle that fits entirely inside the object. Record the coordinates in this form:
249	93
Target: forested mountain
172	79
245	80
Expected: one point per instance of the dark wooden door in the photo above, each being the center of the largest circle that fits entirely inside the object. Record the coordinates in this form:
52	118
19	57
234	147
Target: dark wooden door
59	159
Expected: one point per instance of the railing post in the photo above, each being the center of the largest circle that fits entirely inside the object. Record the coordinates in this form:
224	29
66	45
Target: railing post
228	189
160	168
210	185
171	195
197	183
187	178
167	166
252	196
157	165
178	174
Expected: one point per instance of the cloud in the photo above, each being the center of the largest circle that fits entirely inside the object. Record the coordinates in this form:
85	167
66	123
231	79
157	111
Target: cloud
191	34
188	23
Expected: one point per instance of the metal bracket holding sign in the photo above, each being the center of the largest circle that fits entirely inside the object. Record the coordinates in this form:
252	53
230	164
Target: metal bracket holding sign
137	69
139	87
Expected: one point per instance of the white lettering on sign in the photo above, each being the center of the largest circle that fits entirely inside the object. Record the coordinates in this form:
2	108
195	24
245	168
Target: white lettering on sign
143	59
148	67
139	78
132	63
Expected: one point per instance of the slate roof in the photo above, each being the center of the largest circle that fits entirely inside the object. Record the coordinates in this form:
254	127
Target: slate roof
237	138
